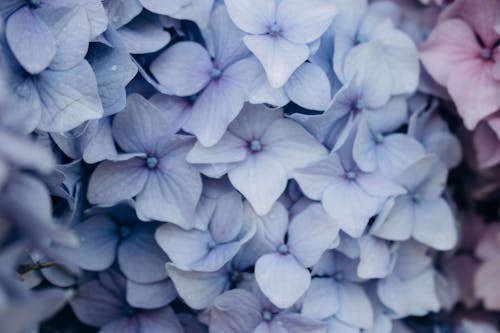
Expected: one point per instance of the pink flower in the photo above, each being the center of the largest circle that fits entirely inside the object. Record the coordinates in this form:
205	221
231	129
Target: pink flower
462	53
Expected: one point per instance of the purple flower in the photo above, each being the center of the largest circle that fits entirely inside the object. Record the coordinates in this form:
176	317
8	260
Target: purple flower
153	171
187	69
102	303
280	30
240	311
258	152
211	249
348	194
287	250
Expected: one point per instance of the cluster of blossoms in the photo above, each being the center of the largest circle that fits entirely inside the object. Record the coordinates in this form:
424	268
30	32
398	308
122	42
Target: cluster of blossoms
244	166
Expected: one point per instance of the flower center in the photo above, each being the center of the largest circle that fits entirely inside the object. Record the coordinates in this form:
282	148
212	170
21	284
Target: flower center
339	276
34	3
379	138
211	245
236	277
216	73
485	53
151	162
255	146
360	39
416	197
359	105
351	175
274	29
267	315
283	249
128	311
125	231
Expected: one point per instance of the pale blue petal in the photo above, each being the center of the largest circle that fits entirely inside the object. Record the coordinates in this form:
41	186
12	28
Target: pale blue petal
279	57
198	289
322	298
71	30
98	238
218	105
311	223
224	39
189	63
261	179
252	16
140	258
253	121
355	306
375	258
227	219
314	179
304	22
68	98
113	182
434	224
395	221
281	278
140	126
122	12
415	296
286	141
150	296
173	190
229	149
309	87
143	36
30	39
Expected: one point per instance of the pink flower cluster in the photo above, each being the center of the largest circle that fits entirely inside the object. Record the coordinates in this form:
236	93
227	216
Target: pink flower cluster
462	53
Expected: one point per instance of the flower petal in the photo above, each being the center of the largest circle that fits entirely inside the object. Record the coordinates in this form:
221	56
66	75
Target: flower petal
98	241
279	57
304	22
434	224
449	45
172	191
112	182
183	69
261	179
309	87
198	289
68	98
287	142
322	299
281	278
140	258
355	306
150	296
311	223
30	40
252	16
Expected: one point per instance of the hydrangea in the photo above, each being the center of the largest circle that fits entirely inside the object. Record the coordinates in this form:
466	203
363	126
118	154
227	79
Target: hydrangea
266	166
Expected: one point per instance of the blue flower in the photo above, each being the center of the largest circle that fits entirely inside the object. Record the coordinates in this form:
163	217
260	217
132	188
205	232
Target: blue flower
280	30
103	303
211	249
258	152
421	213
281	271
187	69
153	171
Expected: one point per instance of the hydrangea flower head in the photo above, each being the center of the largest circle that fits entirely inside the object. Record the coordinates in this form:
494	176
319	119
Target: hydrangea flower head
462	54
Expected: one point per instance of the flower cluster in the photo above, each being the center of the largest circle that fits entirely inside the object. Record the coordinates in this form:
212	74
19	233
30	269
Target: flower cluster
239	166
